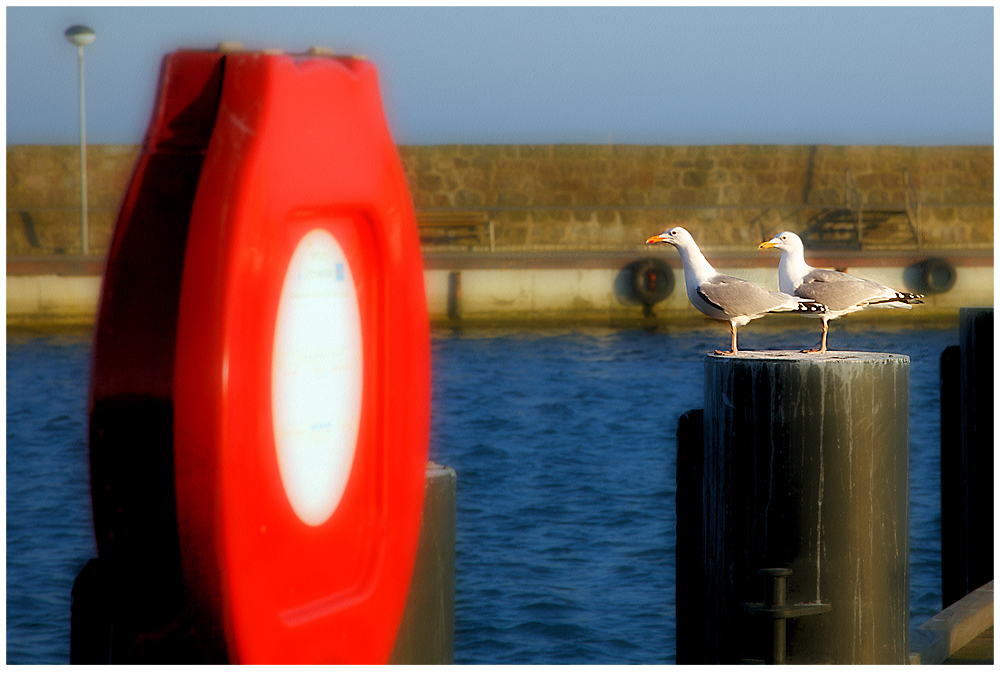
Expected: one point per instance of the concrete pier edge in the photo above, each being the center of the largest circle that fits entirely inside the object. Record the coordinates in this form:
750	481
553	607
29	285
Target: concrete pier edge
550	292
935	640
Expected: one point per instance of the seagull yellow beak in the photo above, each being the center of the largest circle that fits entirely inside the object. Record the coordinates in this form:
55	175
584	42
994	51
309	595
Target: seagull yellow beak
655	239
765	245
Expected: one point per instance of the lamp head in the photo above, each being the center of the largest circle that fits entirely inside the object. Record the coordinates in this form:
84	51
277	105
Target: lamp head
80	35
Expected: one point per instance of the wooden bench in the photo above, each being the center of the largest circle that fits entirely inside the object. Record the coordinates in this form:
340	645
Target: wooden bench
448	228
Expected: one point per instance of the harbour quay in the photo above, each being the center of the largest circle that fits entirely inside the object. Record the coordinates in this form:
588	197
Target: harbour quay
553	234
524	256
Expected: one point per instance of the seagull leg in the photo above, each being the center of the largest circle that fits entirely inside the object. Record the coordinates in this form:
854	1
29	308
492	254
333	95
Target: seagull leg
822	344
732	333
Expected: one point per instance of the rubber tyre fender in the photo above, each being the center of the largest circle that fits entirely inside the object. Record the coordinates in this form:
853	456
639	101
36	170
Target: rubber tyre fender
937	275
652	280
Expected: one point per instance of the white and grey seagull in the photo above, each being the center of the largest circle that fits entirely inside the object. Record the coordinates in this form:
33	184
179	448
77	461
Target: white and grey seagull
722	297
840	292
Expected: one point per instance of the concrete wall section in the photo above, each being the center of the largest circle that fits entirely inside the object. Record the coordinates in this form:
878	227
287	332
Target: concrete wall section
604	296
590	295
50	299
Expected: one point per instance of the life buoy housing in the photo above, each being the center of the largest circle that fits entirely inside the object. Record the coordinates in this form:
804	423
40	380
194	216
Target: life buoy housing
275	312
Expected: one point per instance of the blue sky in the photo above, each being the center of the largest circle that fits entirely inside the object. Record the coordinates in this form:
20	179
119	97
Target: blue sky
523	75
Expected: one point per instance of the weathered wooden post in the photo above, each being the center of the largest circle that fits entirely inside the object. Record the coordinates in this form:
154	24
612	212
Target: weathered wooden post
689	563
454	295
427	631
954	482
967	457
426	634
806	468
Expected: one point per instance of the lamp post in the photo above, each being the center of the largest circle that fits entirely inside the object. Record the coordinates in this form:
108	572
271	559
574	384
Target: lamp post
80	36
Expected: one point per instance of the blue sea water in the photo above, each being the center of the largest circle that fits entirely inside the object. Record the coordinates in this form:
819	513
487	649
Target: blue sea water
563	442
49	532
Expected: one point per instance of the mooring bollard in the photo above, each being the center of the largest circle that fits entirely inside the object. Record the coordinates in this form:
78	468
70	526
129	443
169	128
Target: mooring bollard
806	468
967	457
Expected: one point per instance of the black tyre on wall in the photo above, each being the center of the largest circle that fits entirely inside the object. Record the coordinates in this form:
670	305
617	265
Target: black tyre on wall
652	280
937	275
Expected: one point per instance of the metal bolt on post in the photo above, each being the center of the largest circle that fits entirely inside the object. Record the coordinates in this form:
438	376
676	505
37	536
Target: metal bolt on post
774	608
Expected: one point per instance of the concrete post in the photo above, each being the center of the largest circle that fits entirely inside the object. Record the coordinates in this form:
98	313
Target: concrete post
806	468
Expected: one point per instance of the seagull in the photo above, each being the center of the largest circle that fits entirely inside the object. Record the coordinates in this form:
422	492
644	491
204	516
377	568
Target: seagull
726	298
840	292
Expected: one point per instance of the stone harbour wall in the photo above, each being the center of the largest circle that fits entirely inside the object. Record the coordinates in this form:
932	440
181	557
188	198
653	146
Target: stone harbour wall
43	196
580	197
616	196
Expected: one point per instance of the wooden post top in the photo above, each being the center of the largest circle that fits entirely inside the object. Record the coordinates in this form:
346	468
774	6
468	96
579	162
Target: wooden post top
797	356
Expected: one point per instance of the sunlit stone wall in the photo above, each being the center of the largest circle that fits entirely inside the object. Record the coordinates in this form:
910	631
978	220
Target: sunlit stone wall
574	197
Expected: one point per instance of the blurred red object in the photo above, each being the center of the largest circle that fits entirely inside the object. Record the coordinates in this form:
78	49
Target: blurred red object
265	287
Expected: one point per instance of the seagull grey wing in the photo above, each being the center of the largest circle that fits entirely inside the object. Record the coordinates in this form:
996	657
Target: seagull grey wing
737	297
837	290
829	276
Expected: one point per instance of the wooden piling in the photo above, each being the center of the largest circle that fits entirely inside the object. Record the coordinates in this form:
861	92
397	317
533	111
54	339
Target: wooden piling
426	634
967	457
976	329
454	295
90	617
806	468
689	563
954	482
427	631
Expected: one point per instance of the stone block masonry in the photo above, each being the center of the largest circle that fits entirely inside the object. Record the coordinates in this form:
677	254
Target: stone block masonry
43	196
578	197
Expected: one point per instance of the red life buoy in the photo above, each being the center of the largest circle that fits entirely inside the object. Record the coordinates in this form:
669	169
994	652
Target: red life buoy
131	403
301	372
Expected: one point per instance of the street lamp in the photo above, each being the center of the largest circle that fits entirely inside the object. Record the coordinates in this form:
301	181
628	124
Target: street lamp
80	36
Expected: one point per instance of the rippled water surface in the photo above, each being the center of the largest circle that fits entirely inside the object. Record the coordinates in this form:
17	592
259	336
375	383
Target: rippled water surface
563	442
49	532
